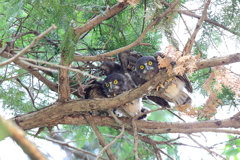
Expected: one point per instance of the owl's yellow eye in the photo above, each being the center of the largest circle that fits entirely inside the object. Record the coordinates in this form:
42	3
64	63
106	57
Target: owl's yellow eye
107	84
115	81
141	66
150	63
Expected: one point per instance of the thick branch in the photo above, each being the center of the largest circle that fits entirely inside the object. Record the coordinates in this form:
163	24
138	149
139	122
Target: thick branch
217	61
100	18
50	115
93	58
153	127
18	136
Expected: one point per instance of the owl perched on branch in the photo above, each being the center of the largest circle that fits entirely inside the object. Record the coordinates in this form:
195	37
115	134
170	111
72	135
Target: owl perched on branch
115	84
147	68
128	61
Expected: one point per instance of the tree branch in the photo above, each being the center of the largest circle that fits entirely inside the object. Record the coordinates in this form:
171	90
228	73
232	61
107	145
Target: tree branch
217	61
188	47
18	136
100	18
188	13
139	39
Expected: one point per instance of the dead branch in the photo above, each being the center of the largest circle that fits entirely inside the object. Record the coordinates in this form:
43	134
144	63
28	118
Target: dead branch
135	135
67	145
61	66
52	86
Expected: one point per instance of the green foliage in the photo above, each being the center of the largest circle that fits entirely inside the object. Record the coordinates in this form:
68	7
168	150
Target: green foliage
232	148
68	45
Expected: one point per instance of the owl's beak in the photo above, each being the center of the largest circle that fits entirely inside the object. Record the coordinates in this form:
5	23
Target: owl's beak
111	86
148	68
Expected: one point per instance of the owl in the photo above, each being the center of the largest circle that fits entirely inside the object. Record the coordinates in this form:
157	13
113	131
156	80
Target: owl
108	68
126	67
147	68
115	84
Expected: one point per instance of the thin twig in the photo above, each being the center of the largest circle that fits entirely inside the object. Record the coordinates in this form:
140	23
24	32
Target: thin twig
60	66
29	93
24	50
109	145
205	148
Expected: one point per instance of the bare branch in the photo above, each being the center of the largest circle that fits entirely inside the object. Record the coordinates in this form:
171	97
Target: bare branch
93	58
67	145
48	83
29	93
188	13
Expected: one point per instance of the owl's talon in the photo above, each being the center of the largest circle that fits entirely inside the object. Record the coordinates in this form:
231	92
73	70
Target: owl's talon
108	96
159	86
114	95
170	79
